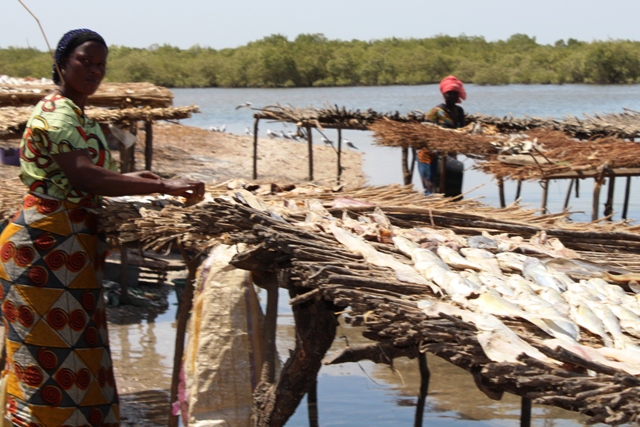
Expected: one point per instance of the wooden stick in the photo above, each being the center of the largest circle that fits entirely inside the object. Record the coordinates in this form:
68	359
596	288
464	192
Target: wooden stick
46	41
184	308
255	147
310	144
148	145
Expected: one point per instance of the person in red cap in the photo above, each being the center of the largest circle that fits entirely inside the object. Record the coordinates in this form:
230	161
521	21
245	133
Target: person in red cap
448	115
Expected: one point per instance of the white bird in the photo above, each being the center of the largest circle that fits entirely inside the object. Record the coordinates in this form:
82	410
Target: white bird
222	128
245	105
271	134
248	131
213	128
283	135
350	144
292	136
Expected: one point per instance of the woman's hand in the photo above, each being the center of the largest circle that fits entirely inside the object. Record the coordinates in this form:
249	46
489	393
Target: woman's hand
192	190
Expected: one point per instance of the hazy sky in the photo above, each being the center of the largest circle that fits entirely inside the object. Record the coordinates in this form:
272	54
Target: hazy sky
232	23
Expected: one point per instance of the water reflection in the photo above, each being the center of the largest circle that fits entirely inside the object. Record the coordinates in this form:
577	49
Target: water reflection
142	343
365	393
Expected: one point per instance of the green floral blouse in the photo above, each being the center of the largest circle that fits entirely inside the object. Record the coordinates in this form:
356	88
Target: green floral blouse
57	125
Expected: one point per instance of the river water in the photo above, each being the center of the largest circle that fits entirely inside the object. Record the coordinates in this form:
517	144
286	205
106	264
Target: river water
365	394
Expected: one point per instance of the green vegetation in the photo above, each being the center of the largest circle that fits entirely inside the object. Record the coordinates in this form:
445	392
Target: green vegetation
313	60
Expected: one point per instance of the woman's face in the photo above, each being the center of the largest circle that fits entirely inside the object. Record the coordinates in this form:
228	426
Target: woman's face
451	97
84	68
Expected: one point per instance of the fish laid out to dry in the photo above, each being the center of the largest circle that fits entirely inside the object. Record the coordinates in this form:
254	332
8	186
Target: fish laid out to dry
404	272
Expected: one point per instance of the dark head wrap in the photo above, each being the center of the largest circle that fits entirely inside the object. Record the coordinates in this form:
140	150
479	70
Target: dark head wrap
69	42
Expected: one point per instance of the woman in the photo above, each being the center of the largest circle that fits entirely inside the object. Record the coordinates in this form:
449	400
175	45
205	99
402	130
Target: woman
58	369
448	115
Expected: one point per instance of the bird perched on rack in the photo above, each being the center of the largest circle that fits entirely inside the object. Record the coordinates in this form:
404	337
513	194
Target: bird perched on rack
271	134
350	144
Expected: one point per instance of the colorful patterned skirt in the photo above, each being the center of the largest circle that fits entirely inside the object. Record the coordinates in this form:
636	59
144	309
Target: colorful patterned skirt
58	369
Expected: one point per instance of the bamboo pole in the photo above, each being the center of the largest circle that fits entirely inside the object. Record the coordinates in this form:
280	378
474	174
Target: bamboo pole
148	144
310	142
405	166
255	148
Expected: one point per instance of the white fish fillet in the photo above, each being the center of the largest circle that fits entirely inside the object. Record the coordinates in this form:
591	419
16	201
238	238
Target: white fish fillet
586	318
501	344
404	272
485	259
454	259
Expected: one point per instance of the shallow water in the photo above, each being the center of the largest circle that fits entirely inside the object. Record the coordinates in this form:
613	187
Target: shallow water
365	394
382	164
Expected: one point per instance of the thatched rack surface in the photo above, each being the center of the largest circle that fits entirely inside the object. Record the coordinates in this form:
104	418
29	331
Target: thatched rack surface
109	95
14	119
553	155
387	308
624	125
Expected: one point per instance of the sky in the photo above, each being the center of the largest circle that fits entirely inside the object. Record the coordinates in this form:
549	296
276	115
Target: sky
232	23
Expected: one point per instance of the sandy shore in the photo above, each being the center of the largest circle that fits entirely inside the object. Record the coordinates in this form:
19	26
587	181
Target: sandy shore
215	157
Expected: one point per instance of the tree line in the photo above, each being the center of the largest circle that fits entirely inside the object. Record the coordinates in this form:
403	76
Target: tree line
313	60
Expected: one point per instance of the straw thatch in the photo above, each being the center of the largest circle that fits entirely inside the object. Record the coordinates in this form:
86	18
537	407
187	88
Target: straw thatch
625	125
14	119
111	95
331	116
553	152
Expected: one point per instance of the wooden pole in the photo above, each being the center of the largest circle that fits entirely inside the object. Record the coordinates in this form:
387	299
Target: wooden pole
425	376
568	196
545	195
518	189
339	154
503	202
148	145
312	404
184	308
255	148
608	206
406	177
315	330
596	194
525	412
310	142
627	193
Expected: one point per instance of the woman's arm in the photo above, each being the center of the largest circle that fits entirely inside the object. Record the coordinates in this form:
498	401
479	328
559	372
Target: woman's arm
83	175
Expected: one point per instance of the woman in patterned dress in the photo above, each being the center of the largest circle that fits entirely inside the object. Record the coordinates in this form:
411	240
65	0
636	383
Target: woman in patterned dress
58	369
